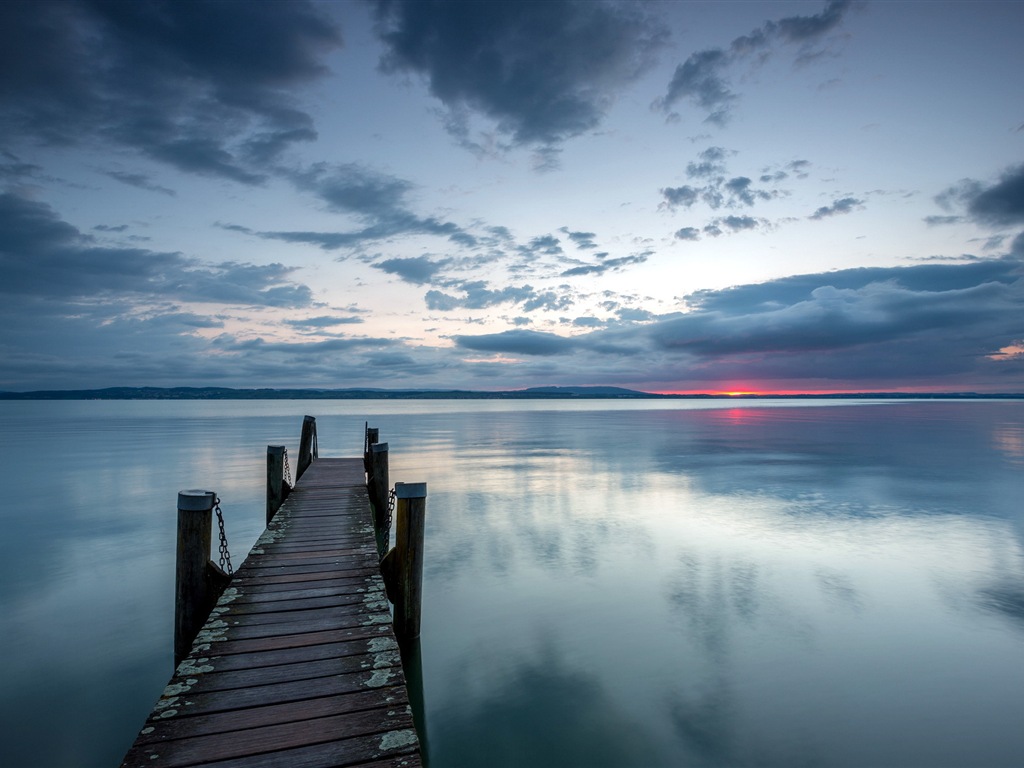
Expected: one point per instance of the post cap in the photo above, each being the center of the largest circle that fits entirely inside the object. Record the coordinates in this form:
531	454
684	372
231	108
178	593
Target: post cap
275	449
379	448
411	490
196	500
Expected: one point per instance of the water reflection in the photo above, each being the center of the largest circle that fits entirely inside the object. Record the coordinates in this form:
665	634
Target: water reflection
604	583
542	711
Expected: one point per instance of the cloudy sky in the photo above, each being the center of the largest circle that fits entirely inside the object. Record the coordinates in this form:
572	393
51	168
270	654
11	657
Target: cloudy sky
669	196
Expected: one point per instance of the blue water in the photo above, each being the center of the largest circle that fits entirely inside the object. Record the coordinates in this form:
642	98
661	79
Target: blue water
607	583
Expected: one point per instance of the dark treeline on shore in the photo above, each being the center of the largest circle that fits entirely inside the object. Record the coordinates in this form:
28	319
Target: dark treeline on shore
557	393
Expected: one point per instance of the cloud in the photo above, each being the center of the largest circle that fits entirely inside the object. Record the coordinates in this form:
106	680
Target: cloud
583	240
204	87
687	233
477	296
322	321
605	264
719	191
1001	204
702	78
44	257
140	181
417	270
542	72
378	200
518	342
841	206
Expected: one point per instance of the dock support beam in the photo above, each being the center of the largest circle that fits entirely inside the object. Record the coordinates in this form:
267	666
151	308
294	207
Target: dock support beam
276	489
403	565
198	581
378	485
307	446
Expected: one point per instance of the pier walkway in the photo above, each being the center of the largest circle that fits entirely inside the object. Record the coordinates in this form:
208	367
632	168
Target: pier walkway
297	664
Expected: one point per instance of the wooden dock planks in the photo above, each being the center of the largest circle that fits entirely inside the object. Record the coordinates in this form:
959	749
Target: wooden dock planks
297	665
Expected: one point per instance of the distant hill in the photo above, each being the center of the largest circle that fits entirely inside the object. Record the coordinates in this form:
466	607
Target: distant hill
533	393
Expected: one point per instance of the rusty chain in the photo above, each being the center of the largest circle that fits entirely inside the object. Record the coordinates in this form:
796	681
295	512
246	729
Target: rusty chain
225	556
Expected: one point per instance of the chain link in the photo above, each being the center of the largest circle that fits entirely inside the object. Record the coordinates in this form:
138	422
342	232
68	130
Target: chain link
287	470
225	556
391	508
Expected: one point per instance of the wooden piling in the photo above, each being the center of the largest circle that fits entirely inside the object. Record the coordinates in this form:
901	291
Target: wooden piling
198	581
276	491
410	520
378	485
307	446
372	436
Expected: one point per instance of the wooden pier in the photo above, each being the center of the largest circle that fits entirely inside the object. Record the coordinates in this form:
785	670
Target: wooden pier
298	664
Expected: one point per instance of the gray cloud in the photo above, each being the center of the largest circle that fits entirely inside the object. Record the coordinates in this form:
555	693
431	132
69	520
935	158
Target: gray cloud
543	72
378	199
140	181
583	240
518	342
702	78
323	321
841	206
477	296
204	87
418	270
42	256
605	264
687	233
1001	204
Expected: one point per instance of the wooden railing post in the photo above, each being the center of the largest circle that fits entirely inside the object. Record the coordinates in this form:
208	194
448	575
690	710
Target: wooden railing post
307	446
410	515
275	480
378	485
198	581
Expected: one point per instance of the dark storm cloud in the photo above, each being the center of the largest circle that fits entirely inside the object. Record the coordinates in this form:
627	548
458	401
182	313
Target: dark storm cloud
838	207
542	71
42	256
202	86
702	79
418	270
518	342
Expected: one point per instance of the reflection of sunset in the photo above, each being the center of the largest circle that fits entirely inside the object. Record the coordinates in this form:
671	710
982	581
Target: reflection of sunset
1009	439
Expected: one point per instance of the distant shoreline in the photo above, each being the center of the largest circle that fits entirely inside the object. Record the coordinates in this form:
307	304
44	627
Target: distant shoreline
535	393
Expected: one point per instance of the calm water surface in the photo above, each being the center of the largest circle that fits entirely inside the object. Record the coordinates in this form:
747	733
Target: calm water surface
606	584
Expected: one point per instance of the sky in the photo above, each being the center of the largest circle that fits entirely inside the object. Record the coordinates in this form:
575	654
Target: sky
666	196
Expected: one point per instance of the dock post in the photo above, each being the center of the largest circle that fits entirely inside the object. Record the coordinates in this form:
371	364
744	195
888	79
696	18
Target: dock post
276	491
410	522
198	581
372	436
378	485
307	446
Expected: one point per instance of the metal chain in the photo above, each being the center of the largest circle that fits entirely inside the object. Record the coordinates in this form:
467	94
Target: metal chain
391	508
287	470
225	556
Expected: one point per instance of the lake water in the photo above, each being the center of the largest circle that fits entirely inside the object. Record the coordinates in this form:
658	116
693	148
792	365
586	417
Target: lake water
607	583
